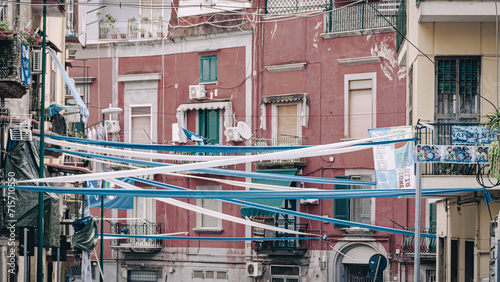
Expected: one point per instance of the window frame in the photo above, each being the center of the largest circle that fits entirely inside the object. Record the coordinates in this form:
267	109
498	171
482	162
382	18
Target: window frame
348	212
274	120
219	124
353	77
131	116
199	217
210	59
456	116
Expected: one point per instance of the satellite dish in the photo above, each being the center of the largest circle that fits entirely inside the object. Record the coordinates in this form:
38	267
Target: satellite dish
244	130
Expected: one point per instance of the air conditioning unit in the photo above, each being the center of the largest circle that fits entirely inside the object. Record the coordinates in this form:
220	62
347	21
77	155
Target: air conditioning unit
36	65
197	92
309	201
112	126
254	269
233	134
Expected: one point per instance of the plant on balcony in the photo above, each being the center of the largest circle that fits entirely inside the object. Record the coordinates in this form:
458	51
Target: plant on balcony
133	27
29	37
5	26
493	123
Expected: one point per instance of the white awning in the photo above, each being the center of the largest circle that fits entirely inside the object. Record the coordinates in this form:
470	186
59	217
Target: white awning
286	98
211	105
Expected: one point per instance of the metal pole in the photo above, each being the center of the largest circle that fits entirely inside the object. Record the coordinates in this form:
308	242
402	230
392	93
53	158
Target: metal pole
102	219
418	197
39	265
25	253
58	263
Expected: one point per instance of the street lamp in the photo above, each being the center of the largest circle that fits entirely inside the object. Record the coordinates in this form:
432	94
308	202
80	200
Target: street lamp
109	111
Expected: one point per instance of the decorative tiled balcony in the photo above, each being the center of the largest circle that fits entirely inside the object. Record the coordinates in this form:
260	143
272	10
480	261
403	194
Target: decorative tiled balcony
11	84
427	245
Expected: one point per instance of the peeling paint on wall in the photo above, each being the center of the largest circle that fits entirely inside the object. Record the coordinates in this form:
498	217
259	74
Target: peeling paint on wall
389	64
316	35
273	32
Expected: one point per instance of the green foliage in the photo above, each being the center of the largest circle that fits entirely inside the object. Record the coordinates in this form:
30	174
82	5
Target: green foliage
5	25
493	159
493	121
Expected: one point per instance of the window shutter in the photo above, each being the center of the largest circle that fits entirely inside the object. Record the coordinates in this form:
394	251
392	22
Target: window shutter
202	123
432	217
213	68
213	126
341	207
366	203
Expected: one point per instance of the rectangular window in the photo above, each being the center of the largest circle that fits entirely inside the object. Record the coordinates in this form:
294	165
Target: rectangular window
153	13
208	125
432	218
360	99
286	125
410	96
454	261
205	221
208	69
457	89
469	261
357	210
360	108
285	273
141	124
142	275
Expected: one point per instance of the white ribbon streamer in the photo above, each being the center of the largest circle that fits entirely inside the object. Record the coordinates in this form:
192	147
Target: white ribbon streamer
303	152
208	212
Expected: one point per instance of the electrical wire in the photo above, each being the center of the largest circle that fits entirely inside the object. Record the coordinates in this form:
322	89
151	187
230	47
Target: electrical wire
480	178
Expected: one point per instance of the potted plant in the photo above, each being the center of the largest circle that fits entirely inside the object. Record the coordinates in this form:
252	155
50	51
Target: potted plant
493	124
133	27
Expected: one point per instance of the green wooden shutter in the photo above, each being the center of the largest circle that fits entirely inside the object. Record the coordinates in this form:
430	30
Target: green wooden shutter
202	123
432	218
341	208
213	126
208	69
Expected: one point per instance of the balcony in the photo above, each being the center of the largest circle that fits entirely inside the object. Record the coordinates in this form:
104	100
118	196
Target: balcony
133	30
427	245
443	135
281	141
360	19
288	247
456	11
11	84
280	7
136	245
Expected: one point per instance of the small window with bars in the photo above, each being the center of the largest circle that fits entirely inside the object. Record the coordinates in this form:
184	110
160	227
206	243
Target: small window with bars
457	89
285	273
142	276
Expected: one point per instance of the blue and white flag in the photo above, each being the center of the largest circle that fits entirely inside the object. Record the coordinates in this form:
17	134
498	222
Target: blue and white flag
111	202
394	163
25	64
195	137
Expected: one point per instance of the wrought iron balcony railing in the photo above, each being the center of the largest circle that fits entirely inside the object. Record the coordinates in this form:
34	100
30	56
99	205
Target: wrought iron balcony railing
136	245
133	30
295	246
280	141
427	245
442	135
360	17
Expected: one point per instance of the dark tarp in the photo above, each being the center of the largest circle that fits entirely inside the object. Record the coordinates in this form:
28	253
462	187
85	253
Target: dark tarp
85	237
275	203
23	160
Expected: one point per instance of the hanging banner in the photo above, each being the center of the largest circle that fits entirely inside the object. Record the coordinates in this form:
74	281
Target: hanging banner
25	64
110	202
451	154
394	163
472	135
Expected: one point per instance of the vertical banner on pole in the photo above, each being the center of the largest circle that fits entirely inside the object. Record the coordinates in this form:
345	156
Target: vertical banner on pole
394	163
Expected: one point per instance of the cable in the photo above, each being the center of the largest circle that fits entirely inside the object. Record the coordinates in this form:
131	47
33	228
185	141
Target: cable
428	58
480	176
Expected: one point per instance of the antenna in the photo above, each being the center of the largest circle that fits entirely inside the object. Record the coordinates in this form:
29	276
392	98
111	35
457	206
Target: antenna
244	130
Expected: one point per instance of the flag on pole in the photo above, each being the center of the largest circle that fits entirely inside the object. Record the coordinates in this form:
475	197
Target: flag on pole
195	137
